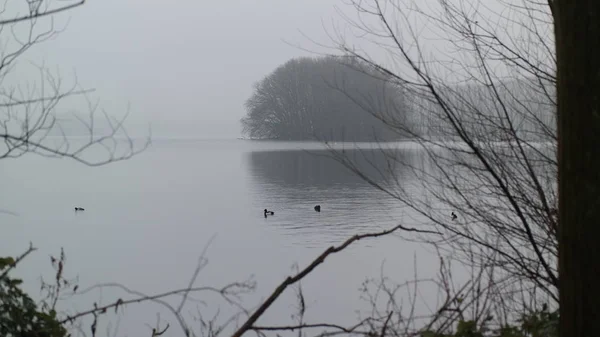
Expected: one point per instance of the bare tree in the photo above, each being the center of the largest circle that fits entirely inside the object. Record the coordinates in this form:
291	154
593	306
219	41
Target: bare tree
30	117
578	67
484	98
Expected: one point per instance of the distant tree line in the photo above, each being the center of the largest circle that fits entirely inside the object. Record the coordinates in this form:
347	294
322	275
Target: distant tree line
326	98
529	103
344	99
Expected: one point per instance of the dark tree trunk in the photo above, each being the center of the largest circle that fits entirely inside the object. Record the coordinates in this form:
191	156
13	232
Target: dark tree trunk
577	30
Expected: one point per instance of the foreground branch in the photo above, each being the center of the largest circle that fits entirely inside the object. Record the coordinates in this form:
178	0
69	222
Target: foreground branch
351	329
36	14
224	291
320	259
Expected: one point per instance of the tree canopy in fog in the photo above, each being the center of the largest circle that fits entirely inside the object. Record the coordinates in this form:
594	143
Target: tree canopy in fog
323	98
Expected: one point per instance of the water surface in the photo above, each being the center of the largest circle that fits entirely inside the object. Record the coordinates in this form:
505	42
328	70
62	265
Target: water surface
147	220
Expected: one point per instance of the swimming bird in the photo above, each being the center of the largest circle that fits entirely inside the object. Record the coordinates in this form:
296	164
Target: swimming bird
454	216
268	212
318	208
79	209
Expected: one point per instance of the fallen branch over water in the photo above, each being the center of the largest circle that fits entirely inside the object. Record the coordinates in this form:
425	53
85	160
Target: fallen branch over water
249	323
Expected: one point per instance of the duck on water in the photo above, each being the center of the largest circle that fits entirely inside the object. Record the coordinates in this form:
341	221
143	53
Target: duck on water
268	213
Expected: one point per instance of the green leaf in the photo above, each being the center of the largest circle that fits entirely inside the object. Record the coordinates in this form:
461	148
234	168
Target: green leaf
6	262
15	282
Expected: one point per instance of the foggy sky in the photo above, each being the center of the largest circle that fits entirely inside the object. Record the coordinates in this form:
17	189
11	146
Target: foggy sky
188	64
185	66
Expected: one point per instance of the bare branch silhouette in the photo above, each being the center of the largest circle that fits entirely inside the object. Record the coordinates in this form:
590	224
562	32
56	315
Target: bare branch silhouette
483	117
35	14
308	269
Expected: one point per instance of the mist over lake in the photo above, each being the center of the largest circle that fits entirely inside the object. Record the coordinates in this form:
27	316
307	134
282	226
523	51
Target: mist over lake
147	220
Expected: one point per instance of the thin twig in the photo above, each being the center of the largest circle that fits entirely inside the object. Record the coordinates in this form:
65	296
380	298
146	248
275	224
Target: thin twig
320	259
39	15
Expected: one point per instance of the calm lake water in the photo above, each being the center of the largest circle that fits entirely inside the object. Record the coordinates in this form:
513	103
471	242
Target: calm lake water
148	219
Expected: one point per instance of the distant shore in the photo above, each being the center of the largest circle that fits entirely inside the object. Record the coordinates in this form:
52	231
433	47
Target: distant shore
325	141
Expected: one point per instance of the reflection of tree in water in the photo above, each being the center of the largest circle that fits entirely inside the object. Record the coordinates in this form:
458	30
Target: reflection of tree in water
316	169
292	182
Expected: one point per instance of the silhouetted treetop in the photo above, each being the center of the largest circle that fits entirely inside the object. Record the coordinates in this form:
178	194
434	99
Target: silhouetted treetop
326	98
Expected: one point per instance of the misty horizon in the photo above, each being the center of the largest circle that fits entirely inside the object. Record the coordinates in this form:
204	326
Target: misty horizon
136	134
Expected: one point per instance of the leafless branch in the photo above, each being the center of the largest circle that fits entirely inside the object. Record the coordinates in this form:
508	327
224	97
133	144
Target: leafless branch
492	91
319	260
37	14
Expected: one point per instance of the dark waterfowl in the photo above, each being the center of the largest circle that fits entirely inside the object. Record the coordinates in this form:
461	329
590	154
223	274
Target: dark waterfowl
268	212
79	209
454	216
318	208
